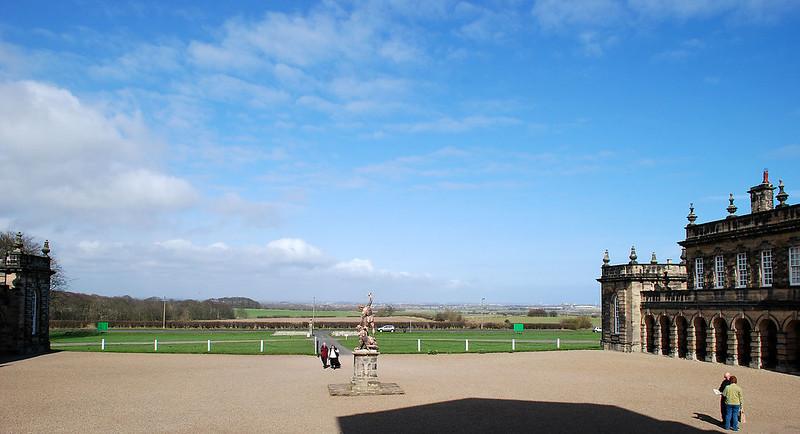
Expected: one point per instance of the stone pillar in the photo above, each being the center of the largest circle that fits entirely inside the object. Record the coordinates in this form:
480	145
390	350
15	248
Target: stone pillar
691	345
673	340
643	340
782	353
755	348
733	351
711	344
657	337
365	368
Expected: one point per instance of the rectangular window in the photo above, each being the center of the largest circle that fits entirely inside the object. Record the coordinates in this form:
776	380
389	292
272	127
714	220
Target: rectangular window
698	273
766	268
719	272
742	274
794	265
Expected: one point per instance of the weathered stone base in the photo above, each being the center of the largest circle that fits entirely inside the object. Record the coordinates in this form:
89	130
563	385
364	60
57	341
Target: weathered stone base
365	378
350	389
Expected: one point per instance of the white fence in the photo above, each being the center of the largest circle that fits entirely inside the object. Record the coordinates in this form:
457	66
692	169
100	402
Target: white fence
155	343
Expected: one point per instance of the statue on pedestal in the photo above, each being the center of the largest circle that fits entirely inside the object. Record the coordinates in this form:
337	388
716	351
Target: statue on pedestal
367	317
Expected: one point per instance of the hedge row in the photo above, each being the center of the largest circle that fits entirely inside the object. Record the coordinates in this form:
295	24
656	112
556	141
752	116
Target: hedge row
257	325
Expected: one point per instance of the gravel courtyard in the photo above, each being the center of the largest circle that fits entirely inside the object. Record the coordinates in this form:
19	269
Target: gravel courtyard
574	391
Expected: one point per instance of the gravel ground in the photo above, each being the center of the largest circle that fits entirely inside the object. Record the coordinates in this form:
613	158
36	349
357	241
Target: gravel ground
583	391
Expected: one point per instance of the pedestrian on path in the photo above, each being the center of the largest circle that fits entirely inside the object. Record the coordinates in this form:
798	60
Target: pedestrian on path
733	403
333	355
726	380
323	354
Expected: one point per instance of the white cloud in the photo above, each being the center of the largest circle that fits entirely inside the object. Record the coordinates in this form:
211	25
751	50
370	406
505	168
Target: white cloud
555	14
294	251
64	156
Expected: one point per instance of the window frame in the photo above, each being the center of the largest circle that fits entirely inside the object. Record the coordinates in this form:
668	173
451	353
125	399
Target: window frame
742	270
698	273
794	268
767	275
615	315
719	272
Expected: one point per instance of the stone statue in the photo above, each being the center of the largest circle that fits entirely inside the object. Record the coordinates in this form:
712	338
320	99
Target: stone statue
367	318
365	341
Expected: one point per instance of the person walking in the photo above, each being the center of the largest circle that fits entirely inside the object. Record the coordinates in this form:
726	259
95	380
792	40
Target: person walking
733	404
323	354
333	355
726	380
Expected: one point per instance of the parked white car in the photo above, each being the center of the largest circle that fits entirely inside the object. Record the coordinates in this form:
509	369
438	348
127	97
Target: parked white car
386	328
597	330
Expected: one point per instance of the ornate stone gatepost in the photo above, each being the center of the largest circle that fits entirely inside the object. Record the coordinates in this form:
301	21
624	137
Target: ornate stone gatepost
365	364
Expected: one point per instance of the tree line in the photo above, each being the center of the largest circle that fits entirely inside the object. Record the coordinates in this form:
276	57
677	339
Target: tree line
74	306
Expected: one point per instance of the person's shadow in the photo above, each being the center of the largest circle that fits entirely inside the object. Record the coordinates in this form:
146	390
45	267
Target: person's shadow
706	418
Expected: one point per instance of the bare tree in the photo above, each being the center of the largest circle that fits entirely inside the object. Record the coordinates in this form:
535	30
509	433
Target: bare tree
30	246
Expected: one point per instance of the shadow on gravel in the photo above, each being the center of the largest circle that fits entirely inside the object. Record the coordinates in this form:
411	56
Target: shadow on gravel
6	359
710	419
477	415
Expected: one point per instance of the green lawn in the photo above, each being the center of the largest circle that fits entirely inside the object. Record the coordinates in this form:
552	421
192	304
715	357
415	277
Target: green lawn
222	342
287	313
481	341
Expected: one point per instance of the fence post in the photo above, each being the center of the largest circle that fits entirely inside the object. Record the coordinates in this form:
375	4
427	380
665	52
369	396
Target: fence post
513	344
155	345
315	345
262	345
419	345
558	343
209	345
102	344
466	345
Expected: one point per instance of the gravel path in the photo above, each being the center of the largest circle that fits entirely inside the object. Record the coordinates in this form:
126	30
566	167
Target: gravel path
574	391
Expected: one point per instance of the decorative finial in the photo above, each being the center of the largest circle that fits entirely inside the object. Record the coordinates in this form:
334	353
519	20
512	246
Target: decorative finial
731	208
653	259
691	217
683	255
782	195
633	255
606	259
46	248
18	243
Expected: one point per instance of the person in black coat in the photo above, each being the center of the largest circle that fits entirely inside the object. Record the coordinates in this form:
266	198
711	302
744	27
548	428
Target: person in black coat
725	382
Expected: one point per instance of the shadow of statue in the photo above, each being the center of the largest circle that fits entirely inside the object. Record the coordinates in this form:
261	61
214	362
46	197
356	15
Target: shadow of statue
706	418
479	415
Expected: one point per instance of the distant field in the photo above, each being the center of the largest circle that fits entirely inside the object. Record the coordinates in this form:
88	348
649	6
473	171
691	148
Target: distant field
288	313
481	341
142	341
523	319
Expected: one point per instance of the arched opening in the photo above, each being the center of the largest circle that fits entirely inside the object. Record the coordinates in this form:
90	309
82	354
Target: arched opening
700	336
664	324
769	343
34	314
682	327
650	344
743	341
721	338
793	345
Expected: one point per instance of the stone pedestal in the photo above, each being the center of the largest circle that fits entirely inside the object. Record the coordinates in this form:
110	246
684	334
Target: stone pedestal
365	378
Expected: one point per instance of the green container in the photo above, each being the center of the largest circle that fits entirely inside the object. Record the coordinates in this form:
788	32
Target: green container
102	326
518	328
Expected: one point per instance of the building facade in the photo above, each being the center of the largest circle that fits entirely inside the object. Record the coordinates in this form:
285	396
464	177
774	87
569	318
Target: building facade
24	301
734	298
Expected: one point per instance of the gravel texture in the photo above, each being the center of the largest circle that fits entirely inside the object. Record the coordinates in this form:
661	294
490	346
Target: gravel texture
569	391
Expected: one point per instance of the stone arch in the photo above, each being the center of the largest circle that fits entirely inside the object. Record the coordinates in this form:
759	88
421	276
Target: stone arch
649	338
720	327
682	328
664	324
792	330
769	342
743	331
700	337
614	307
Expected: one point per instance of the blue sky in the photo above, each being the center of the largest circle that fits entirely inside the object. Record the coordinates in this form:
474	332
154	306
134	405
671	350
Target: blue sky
427	151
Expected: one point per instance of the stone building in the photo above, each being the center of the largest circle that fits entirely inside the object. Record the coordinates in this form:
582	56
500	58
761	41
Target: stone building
734	298
24	300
